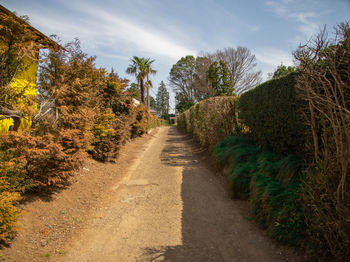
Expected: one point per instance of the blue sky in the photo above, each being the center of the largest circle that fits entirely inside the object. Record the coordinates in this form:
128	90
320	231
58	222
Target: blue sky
166	30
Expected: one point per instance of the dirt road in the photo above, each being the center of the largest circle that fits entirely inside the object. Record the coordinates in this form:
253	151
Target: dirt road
171	207
161	201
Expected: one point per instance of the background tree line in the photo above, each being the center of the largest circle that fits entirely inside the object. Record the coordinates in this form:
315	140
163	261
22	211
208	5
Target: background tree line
230	71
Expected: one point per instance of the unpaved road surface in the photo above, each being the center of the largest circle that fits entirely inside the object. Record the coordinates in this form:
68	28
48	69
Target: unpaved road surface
161	201
171	207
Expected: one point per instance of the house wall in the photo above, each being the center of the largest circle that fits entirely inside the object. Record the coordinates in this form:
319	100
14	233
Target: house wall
24	82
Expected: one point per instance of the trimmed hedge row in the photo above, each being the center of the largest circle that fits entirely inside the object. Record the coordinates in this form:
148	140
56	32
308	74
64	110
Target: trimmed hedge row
260	138
211	120
271	113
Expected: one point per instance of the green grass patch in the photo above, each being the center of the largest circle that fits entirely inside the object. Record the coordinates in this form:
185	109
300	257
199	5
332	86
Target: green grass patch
270	182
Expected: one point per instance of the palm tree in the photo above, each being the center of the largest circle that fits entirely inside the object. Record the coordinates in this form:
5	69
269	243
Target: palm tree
148	85
141	68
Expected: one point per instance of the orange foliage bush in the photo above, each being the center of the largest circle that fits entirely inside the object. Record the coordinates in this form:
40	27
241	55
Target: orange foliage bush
139	126
8	213
8	200
32	163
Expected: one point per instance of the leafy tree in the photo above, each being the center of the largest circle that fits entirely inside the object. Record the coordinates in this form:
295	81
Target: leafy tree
186	77
141	68
282	70
152	102
69	80
220	78
134	91
181	78
182	104
162	101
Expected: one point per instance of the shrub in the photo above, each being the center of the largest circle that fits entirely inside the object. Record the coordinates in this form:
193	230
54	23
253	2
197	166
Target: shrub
278	208
103	145
240	179
236	149
139	126
34	162
210	120
8	200
270	182
155	122
270	111
8	213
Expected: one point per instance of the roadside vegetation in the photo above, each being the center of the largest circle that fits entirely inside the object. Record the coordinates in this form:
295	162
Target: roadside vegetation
78	110
285	147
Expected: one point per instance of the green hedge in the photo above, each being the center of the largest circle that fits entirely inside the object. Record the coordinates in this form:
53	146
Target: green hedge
271	113
211	120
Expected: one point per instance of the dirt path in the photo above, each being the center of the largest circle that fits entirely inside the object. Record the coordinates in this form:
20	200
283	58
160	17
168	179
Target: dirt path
168	206
171	207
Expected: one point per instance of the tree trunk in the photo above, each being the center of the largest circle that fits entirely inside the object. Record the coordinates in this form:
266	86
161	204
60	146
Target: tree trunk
142	89
14	114
148	102
17	123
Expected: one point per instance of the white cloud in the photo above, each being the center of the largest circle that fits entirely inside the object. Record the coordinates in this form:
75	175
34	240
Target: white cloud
115	30
285	9
307	27
279	8
274	57
96	28
146	39
269	59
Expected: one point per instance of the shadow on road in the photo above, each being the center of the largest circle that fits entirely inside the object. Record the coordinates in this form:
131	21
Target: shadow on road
204	225
214	227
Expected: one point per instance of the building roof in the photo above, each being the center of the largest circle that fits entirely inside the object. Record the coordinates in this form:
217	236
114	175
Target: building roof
39	37
153	111
136	102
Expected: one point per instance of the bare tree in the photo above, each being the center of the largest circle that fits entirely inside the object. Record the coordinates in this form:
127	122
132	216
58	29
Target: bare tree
241	62
324	83
200	82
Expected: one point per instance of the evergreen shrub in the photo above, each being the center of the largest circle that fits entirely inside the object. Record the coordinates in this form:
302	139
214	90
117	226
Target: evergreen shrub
271	112
211	120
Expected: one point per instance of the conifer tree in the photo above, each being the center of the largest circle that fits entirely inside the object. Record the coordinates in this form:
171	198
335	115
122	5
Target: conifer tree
220	78
162	101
